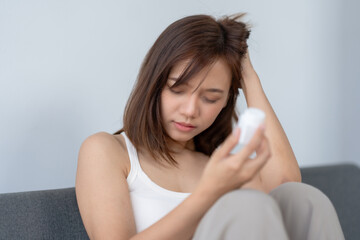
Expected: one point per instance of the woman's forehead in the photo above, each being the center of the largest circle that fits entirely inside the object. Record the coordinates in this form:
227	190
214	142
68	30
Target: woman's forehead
217	73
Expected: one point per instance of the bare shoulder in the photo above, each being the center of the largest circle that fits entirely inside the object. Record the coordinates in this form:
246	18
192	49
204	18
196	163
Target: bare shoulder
101	187
103	139
112	148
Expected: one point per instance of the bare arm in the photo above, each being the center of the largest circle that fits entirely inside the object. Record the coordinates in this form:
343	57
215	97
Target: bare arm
282	166
104	200
101	189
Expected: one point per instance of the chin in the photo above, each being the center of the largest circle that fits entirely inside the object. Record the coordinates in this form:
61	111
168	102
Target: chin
182	137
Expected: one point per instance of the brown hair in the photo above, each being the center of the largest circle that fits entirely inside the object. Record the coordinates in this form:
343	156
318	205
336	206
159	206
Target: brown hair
202	40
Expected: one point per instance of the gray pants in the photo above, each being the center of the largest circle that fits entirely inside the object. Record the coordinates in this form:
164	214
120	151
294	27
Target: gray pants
295	211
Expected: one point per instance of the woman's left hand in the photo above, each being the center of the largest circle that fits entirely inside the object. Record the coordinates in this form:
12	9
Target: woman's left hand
247	70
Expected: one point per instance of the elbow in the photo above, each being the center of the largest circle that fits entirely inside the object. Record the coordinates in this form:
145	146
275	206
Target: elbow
293	177
291	173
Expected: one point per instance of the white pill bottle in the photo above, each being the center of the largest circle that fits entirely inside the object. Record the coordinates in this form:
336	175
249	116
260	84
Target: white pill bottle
248	123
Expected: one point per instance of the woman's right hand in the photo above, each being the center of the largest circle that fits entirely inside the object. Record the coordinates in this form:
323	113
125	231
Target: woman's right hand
226	172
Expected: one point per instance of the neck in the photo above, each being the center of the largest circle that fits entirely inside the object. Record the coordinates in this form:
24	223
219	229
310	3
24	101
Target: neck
179	147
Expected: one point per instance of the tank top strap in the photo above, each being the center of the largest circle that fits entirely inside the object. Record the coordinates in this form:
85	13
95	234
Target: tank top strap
134	159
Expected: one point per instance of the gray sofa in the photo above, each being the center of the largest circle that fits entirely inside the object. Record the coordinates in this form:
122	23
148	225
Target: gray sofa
54	214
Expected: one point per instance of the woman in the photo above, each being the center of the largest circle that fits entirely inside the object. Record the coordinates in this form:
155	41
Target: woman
168	173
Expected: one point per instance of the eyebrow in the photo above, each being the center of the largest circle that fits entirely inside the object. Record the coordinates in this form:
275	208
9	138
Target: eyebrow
214	90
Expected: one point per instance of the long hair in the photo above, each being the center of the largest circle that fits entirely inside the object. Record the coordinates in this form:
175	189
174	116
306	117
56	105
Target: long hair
202	40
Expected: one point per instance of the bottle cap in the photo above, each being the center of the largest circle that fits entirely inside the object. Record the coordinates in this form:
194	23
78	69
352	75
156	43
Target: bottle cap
249	121
252	116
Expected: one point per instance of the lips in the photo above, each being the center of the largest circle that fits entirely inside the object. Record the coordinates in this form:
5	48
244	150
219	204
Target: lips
184	127
185	124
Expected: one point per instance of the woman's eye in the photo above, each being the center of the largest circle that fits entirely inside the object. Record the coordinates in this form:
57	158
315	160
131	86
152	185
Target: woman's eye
175	91
209	100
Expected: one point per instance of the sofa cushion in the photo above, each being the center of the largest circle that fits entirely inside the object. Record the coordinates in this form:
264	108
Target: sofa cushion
341	183
47	214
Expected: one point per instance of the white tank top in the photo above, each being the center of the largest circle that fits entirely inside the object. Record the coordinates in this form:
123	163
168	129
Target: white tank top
150	202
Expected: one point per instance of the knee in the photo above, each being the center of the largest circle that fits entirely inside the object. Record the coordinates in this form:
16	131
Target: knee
236	213
301	194
246	202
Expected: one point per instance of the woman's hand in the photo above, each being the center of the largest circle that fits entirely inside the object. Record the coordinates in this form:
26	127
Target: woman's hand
246	63
247	70
226	172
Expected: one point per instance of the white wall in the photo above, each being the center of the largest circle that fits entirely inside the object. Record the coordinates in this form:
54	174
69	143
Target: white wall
350	82
67	68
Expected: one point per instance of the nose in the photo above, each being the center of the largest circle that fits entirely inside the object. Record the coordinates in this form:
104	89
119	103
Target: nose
190	107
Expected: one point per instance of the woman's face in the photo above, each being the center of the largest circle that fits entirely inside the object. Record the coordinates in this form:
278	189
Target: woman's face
191	108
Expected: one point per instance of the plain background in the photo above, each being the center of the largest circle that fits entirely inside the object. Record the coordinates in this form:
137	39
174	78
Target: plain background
67	69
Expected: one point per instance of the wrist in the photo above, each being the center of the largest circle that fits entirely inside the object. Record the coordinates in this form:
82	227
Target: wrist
248	72
250	82
206	195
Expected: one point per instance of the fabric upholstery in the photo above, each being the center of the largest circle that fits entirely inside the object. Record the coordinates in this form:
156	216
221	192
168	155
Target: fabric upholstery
341	183
47	214
54	214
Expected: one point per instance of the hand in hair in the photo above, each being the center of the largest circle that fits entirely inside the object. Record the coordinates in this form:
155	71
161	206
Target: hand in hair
247	69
